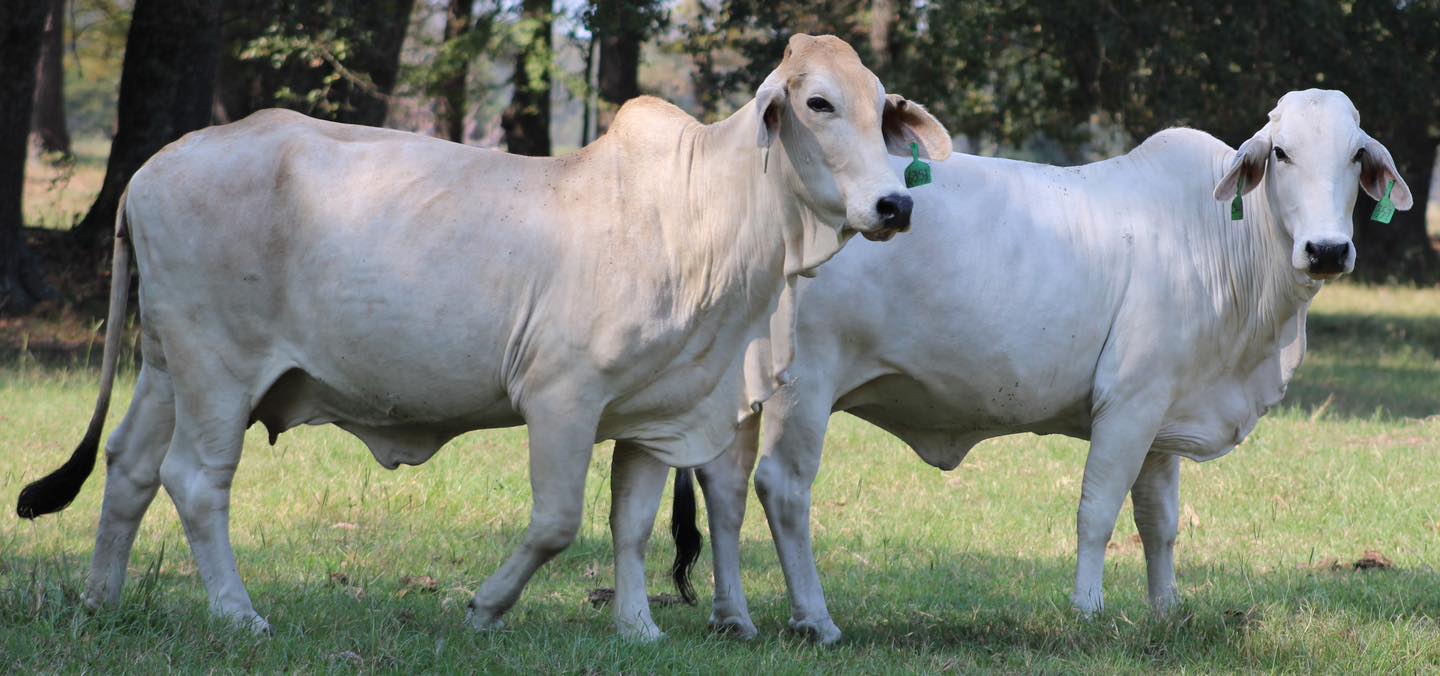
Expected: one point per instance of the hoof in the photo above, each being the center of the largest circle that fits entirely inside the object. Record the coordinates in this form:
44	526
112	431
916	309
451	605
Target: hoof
822	632
735	627
482	621
641	634
250	622
1086	612
1165	606
258	626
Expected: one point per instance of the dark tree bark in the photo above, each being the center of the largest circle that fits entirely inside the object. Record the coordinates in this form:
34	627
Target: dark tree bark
622	31
526	122
165	91
451	108
373	29
48	119
21	24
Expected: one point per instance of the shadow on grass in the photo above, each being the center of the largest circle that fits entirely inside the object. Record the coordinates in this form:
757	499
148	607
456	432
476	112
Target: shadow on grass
1361	364
984	608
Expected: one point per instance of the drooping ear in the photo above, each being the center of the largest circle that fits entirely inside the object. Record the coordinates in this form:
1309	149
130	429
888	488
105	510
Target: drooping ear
906	122
770	101
1249	161
1377	169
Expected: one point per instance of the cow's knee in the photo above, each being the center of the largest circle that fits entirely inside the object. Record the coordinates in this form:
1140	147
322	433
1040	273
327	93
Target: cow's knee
549	537
769	479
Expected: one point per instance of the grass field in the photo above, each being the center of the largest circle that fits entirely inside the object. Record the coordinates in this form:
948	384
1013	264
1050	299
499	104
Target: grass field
925	571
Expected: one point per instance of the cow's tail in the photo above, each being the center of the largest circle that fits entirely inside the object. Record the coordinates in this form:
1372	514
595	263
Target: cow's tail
55	491
685	533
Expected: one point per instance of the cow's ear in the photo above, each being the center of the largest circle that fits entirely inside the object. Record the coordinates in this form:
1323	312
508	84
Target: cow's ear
1249	161
770	101
906	122
1377	169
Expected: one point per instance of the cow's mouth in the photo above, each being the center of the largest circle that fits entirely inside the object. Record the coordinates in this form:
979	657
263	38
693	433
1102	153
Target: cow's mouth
883	235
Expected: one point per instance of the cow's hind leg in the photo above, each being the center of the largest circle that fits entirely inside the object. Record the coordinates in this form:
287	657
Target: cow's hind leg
132	476
559	459
210	421
726	482
1156	495
637	481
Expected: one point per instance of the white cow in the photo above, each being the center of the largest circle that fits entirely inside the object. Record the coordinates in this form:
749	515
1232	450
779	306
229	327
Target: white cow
1116	302
408	290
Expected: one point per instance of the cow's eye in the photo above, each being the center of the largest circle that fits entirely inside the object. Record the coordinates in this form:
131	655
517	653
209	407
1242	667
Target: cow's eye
820	105
1360	155
1280	154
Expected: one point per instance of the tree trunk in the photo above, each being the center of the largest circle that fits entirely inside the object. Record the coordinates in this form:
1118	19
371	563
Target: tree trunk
48	120
373	29
451	106
1401	250
526	122
882	25
165	91
621	33
380	33
21	24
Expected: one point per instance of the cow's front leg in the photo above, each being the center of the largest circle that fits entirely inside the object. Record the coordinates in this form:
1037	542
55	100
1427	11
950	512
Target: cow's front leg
1118	446
1156	495
559	459
726	483
795	435
637	481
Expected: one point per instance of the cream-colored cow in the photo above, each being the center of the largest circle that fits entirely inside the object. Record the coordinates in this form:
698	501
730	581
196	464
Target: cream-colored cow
408	290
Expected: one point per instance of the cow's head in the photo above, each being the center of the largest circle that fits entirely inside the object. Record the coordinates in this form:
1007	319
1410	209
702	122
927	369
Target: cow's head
836	125
1312	155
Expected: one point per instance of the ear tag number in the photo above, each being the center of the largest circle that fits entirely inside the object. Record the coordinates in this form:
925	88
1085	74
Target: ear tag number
1237	206
1384	209
917	173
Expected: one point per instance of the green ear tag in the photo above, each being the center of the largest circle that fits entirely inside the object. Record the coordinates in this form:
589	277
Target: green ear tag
917	173
1237	206
1384	209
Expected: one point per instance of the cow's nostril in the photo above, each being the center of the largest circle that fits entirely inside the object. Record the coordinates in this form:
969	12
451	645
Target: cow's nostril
894	211
1327	257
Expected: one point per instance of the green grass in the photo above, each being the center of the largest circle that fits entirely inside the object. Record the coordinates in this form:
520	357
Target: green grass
925	571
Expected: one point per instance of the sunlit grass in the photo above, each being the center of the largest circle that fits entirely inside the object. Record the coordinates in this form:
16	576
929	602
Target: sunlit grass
925	570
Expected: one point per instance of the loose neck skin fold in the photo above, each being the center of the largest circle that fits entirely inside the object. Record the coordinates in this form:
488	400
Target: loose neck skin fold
1245	265
737	210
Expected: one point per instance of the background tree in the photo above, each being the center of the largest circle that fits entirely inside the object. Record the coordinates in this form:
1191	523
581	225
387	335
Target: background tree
620	28
451	106
165	91
526	122
1066	81
336	60
21	24
48	119
1221	67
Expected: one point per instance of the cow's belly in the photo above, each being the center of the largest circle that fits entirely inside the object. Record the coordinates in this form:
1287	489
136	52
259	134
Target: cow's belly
398	427
943	421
